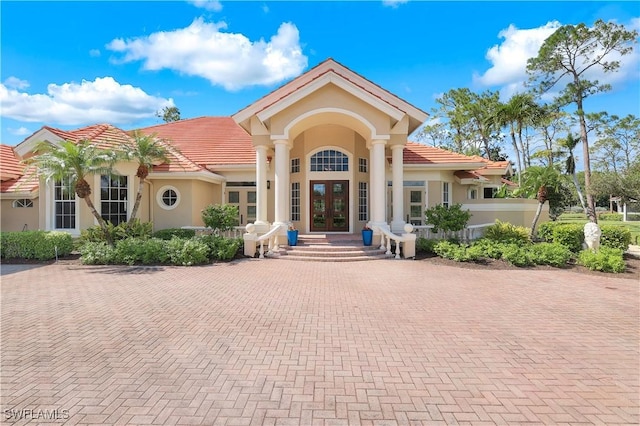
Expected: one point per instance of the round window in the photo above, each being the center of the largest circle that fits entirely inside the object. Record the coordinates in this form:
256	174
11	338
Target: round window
168	197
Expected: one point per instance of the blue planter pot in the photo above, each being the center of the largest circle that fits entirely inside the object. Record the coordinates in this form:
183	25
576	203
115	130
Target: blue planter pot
367	236
292	237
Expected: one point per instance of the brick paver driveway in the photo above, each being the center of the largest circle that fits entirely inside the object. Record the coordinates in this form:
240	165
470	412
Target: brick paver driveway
283	342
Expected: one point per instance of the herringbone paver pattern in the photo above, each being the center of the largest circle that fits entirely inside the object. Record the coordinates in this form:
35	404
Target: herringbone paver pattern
281	342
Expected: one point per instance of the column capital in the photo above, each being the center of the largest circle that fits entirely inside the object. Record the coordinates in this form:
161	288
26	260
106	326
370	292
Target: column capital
374	142
285	142
396	146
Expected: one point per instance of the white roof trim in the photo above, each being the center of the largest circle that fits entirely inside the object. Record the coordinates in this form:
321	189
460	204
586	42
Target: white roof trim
19	195
361	119
444	166
202	175
341	82
29	144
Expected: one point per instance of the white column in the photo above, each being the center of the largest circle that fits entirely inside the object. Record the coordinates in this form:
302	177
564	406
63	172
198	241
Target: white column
397	222
261	187
378	183
282	148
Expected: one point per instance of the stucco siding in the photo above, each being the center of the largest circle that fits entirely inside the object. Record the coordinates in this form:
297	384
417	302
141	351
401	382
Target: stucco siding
19	218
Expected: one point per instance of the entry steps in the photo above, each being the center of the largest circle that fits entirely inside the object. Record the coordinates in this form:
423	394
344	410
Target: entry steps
331	248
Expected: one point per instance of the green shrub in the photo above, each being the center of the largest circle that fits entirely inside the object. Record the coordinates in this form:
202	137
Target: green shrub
221	248
570	235
553	254
123	230
97	253
40	245
448	219
187	252
453	251
489	248
545	230
507	232
131	251
633	216
517	255
613	217
606	260
220	217
424	245
617	237
167	234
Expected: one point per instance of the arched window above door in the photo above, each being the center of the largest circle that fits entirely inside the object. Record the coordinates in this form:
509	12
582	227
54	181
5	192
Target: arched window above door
329	160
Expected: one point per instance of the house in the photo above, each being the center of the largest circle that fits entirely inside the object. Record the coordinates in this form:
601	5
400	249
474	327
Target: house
327	152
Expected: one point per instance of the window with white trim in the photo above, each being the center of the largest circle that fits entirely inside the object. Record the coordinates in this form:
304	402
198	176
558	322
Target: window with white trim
295	165
113	198
329	160
23	203
363	165
445	194
472	194
295	201
251	206
168	197
64	200
363	201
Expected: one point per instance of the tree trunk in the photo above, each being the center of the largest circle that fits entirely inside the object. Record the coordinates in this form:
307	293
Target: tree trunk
517	151
535	220
591	207
525	161
136	205
579	191
101	221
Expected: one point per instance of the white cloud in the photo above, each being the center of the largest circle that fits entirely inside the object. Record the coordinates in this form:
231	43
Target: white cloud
212	5
509	60
98	101
21	131
227	59
393	3
16	83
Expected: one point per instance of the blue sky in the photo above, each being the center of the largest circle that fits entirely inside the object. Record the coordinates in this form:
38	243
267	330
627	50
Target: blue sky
69	64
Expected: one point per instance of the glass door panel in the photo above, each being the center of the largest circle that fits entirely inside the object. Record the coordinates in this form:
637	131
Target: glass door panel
329	206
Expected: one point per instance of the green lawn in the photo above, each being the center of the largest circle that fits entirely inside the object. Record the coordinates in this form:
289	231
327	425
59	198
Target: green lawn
634	227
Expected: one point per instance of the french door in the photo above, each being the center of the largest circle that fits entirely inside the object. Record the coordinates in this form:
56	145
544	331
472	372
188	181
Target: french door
329	205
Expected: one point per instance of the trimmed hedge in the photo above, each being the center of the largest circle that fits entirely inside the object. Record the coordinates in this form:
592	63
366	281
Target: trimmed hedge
40	245
617	237
612	217
571	235
156	251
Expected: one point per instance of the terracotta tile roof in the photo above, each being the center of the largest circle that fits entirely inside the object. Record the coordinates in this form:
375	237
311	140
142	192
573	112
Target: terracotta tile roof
104	136
10	165
208	140
417	153
26	183
465	174
177	162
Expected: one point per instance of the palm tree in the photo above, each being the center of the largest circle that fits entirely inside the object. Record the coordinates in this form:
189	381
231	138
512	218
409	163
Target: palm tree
506	116
540	183
570	142
74	162
145	150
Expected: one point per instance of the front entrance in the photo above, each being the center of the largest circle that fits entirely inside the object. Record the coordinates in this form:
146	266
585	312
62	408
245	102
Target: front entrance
329	206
